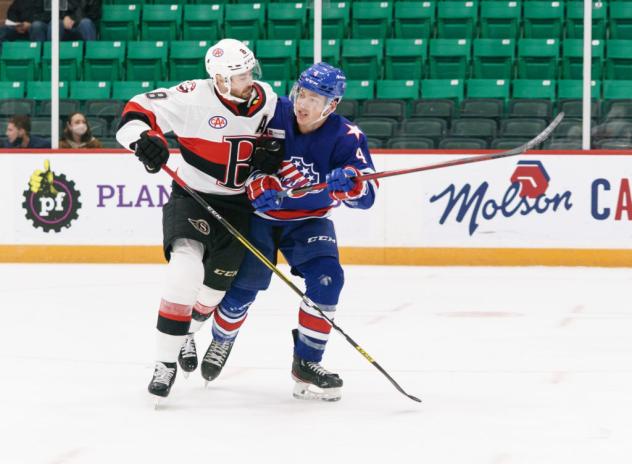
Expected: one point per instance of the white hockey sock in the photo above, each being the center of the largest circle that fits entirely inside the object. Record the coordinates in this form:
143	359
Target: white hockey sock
168	346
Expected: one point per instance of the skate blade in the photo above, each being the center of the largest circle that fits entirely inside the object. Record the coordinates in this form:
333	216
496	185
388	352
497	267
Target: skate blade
307	391
159	401
185	374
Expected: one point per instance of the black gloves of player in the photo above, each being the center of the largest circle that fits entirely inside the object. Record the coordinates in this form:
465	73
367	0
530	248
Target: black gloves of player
267	155
151	149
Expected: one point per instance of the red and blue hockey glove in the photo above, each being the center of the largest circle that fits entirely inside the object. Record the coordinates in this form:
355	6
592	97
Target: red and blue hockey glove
262	192
342	184
152	150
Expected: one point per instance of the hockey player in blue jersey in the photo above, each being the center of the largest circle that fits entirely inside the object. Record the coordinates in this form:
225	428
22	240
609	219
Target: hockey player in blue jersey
318	145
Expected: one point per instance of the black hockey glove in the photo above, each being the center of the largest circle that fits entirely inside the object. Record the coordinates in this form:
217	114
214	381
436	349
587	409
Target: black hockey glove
151	149
268	155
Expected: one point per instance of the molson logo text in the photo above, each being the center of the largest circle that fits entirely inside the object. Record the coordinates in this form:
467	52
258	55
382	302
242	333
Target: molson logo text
526	194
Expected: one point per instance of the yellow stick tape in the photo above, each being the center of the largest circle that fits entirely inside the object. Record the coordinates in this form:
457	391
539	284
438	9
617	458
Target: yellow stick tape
349	255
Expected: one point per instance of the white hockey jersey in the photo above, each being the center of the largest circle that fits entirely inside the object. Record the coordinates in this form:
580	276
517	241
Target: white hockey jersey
216	136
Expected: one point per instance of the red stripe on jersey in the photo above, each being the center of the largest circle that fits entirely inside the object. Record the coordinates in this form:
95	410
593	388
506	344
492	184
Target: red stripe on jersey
289	214
215	152
313	323
224	324
136	107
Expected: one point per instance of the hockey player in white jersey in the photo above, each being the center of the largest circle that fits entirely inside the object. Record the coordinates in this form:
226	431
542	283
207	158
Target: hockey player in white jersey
216	122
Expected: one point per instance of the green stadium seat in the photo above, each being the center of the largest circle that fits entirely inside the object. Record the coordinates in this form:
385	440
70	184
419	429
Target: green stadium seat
618	59
104	60
507	143
119	22
620	22
449	58
66	107
413	143
405	58
492	108
614	109
70	61
414	20
575	20
161	22
360	90
379	128
330	52
146	60
14	89
186	60
522	127
573	59
443	88
108	109
433	128
443	108
280	87
336	18
573	89
543	20
538	58
126	2
203	22
126	90
348	108
277	59
493	58
530	108
12	106
41	127
286	20
398	89
90	90
617	89
384	108
362	58
481	128
573	108
456	19
488	88
245	22
569	128
463	143
500	19
20	61
40	90
371	20
533	88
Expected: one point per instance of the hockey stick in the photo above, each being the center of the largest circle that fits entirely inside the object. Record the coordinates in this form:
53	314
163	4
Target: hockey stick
541	137
250	247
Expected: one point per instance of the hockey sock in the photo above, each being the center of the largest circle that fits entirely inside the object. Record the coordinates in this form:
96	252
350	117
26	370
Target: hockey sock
231	313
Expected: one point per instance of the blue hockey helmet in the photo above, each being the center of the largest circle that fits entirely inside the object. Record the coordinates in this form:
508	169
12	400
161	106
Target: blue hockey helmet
323	79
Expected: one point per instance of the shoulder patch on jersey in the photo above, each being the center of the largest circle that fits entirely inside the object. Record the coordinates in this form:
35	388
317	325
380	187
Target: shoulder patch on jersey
186	87
354	130
218	122
276	133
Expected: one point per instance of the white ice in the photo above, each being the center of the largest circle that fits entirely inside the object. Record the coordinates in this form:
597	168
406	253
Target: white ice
514	365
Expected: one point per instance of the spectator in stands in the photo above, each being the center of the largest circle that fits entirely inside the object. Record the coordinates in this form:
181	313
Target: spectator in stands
26	20
77	133
78	22
19	134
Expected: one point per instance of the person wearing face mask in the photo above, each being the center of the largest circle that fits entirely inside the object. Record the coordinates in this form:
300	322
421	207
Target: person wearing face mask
77	134
19	134
318	145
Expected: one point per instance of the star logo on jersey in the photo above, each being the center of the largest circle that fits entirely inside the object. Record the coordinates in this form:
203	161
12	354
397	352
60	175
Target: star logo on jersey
354	130
297	173
218	122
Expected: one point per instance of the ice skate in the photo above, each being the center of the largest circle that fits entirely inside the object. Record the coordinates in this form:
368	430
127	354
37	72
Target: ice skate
214	359
188	356
314	382
162	380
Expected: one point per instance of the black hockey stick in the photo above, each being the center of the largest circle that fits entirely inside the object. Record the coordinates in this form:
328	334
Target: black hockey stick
541	137
250	247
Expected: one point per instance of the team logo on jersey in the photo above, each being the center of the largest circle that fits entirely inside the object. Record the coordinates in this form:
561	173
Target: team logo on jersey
201	226
186	87
297	173
217	52
51	201
354	130
218	122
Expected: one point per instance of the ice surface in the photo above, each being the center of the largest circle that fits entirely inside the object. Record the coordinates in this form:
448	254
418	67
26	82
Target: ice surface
514	365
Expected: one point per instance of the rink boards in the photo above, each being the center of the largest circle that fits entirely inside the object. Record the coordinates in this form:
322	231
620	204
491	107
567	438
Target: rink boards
544	208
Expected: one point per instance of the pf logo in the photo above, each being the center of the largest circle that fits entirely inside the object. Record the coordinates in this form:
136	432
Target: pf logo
532	177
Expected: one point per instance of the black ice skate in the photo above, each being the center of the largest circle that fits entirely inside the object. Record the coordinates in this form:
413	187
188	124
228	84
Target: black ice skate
215	358
188	356
314	382
164	376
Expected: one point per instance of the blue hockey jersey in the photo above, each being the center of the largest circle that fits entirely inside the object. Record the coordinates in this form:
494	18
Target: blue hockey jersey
310	157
